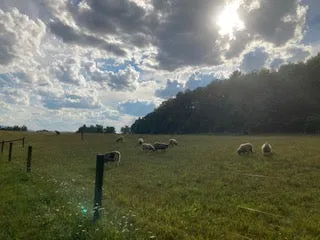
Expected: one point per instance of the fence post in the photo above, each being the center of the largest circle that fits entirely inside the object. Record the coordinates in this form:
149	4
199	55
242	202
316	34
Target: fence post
23	142
10	151
29	159
2	146
98	187
81	135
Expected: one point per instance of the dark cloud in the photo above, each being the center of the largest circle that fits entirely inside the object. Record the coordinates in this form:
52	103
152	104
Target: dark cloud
267	21
183	31
254	60
136	108
188	33
171	89
239	44
114	16
70	35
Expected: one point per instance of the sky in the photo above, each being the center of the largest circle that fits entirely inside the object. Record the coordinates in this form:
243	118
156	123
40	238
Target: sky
66	63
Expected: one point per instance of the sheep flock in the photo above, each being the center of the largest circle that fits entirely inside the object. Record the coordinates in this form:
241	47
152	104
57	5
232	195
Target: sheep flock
243	149
247	148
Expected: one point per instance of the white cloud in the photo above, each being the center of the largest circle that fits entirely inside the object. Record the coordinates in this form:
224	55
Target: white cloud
20	39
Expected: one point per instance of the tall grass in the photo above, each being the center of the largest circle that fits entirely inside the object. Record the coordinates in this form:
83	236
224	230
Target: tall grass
200	189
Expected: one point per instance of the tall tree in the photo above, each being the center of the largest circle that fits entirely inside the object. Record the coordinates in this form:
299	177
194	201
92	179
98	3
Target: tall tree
264	101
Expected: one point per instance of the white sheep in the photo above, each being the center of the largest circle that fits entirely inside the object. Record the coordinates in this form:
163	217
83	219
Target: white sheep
266	149
245	148
162	146
113	156
120	139
173	142
148	146
140	140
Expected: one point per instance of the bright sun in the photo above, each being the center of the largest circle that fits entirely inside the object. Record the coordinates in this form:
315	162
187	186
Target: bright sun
228	21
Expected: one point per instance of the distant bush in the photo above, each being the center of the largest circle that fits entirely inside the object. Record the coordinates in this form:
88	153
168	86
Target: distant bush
14	128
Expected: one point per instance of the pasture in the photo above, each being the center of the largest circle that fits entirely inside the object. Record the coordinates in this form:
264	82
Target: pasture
200	189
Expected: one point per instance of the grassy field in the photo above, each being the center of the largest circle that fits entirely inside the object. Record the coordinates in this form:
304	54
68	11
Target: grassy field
200	189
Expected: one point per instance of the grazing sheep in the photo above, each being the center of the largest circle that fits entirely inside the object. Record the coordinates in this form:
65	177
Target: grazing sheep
148	146
57	132
162	146
120	139
113	156
173	142
245	148
140	140
266	149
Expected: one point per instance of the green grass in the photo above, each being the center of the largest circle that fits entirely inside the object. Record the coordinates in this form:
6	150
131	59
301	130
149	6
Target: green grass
200	189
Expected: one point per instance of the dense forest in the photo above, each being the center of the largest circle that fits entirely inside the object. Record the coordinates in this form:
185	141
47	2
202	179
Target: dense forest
283	101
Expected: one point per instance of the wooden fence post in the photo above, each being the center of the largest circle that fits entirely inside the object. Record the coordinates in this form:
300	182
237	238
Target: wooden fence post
98	187
10	152
29	159
2	146
23	142
81	135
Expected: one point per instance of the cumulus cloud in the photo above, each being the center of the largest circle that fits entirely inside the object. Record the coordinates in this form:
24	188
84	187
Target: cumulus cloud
254	60
15	96
275	64
136	107
15	41
199	80
124	80
299	54
69	100
171	89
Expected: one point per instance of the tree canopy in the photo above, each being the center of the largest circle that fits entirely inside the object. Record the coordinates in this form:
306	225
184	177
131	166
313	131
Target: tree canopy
265	101
96	129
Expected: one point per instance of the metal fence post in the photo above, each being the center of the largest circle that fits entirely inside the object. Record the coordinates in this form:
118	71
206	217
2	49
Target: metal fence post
2	146
98	187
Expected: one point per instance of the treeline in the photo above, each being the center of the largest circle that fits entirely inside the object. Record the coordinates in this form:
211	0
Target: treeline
283	101
14	128
96	129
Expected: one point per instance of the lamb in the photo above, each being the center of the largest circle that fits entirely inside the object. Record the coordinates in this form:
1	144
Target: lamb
245	148
120	139
162	146
113	156
140	140
173	142
266	149
148	146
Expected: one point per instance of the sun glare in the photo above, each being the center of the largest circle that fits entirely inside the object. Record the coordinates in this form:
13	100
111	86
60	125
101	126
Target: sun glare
228	21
